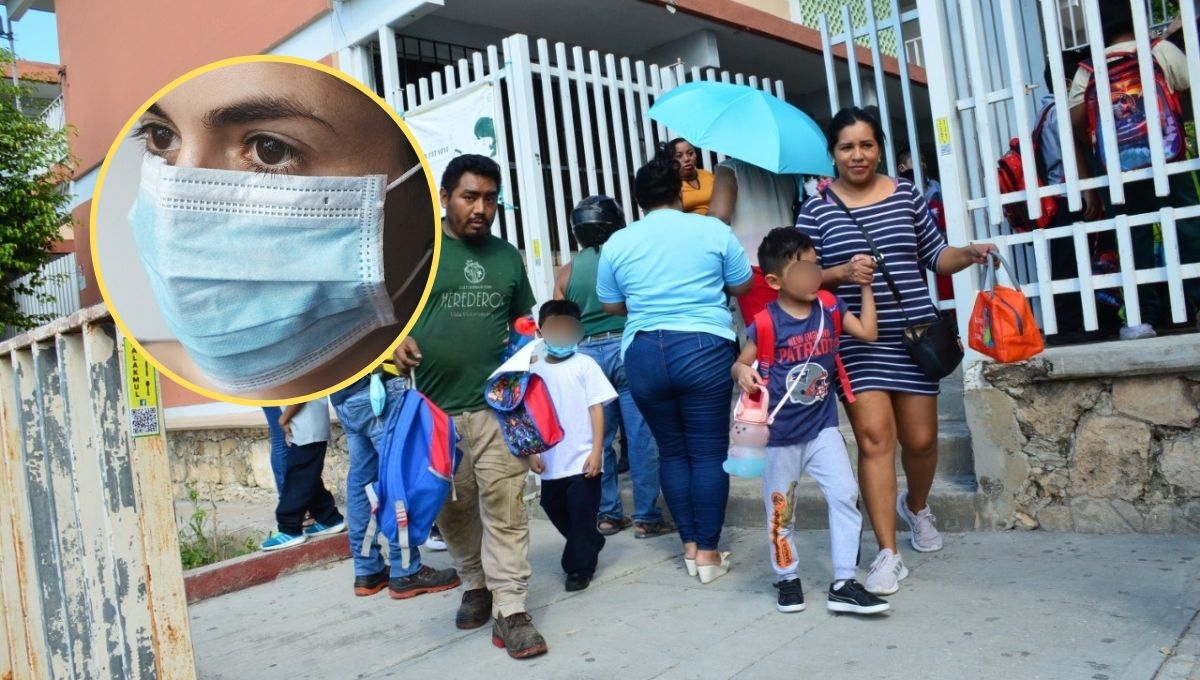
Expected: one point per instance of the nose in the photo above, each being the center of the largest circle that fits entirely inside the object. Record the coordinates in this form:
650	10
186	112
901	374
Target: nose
193	154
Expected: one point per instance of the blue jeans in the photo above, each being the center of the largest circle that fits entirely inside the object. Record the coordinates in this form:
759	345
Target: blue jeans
642	451
279	446
683	388
364	439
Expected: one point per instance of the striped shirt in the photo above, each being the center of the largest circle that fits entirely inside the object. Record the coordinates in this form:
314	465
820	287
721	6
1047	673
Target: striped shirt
905	233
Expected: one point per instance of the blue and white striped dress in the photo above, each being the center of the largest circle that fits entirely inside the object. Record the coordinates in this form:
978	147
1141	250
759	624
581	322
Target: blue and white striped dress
905	233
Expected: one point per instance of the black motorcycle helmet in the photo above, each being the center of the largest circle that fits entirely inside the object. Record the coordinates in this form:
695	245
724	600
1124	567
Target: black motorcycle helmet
595	219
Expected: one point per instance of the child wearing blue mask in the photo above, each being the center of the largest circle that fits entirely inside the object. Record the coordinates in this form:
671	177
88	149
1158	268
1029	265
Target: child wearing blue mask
571	469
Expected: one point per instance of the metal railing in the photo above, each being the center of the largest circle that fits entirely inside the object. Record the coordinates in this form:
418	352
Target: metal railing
58	296
991	69
91	583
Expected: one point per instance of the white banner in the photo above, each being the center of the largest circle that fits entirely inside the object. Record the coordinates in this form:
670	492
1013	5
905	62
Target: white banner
462	123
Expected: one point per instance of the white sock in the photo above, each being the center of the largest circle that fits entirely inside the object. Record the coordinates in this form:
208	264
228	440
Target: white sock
837	585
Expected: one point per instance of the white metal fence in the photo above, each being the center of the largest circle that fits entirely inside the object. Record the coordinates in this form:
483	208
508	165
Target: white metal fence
573	123
984	63
58	296
992	70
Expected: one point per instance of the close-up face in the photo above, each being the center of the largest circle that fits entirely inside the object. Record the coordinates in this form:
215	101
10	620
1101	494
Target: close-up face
801	278
685	153
856	153
562	331
471	206
284	226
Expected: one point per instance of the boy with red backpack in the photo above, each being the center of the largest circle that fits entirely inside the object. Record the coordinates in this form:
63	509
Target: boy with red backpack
1133	147
797	363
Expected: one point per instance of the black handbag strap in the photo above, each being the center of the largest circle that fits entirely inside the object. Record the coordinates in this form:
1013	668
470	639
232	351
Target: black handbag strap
880	261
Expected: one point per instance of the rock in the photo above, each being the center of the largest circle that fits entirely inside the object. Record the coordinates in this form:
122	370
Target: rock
1055	517
1180	463
1024	521
1110	459
1049	412
1158	400
1094	516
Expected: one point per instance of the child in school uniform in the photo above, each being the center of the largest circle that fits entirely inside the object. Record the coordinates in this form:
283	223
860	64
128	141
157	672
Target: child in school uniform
571	470
798	374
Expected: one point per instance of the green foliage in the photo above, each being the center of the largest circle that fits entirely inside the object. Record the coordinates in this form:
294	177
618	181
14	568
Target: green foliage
35	165
200	541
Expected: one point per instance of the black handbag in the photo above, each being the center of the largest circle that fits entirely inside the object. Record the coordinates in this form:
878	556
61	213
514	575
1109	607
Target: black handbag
934	345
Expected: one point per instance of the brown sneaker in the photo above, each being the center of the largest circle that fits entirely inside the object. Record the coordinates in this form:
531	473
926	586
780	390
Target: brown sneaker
427	580
475	610
517	634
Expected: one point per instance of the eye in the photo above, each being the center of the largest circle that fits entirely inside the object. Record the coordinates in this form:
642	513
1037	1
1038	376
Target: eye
158	138
270	153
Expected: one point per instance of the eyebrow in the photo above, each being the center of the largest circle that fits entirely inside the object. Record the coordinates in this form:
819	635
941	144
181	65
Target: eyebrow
261	108
251	110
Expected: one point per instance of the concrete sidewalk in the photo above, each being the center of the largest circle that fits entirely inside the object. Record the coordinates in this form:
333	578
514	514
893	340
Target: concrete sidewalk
991	605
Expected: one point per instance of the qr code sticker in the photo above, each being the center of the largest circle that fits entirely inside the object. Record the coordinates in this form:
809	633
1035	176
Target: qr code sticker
144	421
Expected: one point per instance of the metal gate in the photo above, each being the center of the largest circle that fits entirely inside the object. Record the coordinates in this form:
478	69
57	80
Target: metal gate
573	123
90	577
984	64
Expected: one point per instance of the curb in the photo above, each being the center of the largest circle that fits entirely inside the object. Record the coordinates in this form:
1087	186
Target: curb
262	567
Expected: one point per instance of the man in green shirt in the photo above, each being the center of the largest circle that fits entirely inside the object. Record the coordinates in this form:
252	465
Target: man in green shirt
458	340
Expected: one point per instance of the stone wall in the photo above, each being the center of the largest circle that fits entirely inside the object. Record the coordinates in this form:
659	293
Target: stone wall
233	465
1098	439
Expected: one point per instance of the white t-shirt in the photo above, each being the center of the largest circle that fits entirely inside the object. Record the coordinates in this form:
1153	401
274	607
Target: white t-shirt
575	385
1170	59
764	201
311	423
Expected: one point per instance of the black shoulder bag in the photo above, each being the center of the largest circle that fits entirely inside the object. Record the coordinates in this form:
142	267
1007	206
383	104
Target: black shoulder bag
934	346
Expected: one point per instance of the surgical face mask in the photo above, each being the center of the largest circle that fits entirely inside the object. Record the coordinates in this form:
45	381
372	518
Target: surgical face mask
263	278
563	342
561	351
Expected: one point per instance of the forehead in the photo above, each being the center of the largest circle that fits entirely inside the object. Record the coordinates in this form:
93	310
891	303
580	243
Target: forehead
858	131
561	321
471	183
307	90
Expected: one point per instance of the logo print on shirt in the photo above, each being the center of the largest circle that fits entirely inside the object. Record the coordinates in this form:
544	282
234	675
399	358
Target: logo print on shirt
474	272
813	384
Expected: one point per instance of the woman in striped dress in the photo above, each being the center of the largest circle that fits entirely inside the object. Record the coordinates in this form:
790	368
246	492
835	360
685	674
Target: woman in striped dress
894	402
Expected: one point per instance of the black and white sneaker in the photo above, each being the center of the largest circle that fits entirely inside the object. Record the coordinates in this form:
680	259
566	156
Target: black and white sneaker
853	598
791	596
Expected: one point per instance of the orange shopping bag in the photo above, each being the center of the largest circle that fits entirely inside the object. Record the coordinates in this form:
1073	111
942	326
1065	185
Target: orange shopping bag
1002	324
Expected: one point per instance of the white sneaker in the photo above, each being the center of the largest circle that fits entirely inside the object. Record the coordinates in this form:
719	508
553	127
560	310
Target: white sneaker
886	573
925	536
1142	330
434	543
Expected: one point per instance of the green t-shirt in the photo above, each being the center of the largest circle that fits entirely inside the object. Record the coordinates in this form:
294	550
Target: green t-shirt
581	289
463	331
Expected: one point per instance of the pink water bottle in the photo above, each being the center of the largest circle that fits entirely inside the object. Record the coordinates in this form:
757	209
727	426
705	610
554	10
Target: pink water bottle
748	437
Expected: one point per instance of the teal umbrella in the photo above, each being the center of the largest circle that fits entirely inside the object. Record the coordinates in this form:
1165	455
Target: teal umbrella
748	124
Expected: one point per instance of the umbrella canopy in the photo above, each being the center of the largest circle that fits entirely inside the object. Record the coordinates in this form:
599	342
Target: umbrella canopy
748	124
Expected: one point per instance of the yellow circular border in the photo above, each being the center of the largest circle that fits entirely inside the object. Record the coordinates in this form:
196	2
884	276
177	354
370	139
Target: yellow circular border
433	195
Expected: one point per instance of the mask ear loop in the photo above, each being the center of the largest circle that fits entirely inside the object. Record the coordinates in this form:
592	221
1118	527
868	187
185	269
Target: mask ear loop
416	270
407	173
428	252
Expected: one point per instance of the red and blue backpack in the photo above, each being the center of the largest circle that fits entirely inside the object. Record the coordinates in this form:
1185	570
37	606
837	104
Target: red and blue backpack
764	336
527	417
416	470
1129	111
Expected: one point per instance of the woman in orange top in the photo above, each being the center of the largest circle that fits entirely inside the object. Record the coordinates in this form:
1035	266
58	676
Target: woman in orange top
697	183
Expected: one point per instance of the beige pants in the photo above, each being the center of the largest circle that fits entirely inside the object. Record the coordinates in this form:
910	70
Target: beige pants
487	528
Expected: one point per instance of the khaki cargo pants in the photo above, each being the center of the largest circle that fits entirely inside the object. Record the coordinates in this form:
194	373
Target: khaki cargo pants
487	528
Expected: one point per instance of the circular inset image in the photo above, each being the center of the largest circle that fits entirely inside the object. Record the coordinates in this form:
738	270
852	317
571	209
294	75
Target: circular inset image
265	230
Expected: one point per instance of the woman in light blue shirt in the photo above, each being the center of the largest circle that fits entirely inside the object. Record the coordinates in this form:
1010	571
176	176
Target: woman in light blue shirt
670	274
